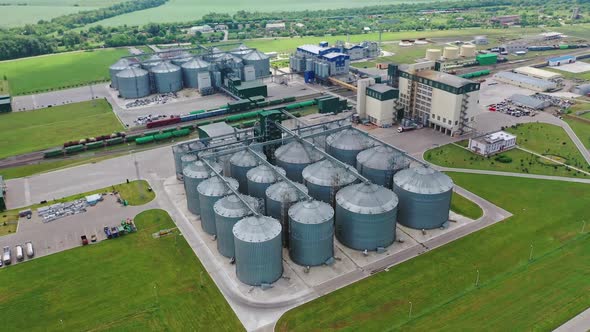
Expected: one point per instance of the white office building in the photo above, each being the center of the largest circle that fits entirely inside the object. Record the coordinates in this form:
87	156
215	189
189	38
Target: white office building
493	143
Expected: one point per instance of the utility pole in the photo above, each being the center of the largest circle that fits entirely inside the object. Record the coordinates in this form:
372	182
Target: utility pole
531	254
477	279
583	226
139	189
410	315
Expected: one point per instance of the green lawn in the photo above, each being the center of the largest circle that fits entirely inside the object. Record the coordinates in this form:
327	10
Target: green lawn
465	207
136	192
59	71
4	88
514	294
132	283
522	162
582	130
548	139
22	132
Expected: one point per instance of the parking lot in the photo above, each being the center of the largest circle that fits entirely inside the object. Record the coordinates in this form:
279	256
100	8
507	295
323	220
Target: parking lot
493	92
64	233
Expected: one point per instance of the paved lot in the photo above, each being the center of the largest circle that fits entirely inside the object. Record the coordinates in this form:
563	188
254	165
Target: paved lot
61	97
495	93
576	67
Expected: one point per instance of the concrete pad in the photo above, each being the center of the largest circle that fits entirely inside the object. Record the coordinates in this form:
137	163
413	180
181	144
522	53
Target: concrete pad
362	260
495	93
576	67
429	234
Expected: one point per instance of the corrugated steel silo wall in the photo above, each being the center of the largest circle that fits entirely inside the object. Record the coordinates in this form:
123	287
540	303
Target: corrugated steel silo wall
311	244
420	211
258	190
279	211
345	156
177	153
225	236
113	75
369	231
134	87
239	173
207	213
169	81
321	193
192	194
259	262
293	170
377	176
189	76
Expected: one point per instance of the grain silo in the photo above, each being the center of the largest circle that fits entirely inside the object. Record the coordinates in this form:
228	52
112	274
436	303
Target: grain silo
468	51
344	145
196	145
365	216
195	173
311	233
294	156
260	61
260	178
187	158
182	59
228	211
258	252
133	82
116	68
241	50
279	198
424	197
167	77
210	191
191	70
324	178
379	164
178	151
433	54
450	52
151	62
240	163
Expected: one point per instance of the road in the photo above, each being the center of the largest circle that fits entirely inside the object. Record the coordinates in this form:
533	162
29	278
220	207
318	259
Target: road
580	323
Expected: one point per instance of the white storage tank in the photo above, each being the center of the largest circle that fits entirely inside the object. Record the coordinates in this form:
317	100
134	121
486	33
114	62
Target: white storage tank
379	164
194	173
168	77
433	54
468	51
344	145
260	178
279	198
451	52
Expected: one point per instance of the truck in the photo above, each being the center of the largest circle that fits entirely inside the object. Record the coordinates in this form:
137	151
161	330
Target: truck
29	249
403	129
20	253
6	259
84	240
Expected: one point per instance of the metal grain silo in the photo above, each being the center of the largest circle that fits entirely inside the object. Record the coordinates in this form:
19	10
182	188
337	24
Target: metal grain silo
294	156
133	82
424	197
346	144
190	71
187	158
151	62
194	173
167	77
380	163
177	152
196	145
210	191
258	252
260	61
241	50
260	178
324	178
240	163
182	59
115	68
228	211
365	216
311	233
279	198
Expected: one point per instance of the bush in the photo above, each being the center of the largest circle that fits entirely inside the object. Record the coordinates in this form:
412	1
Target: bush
503	159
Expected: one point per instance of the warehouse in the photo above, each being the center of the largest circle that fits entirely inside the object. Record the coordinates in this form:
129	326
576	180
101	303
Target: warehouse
561	60
526	82
493	143
529	102
582	89
538	73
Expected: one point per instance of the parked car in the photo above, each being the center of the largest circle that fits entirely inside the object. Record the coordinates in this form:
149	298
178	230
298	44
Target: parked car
30	250
93	238
20	253
6	256
107	232
84	240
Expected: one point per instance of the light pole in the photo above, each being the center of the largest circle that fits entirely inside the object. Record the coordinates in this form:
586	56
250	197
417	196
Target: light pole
139	189
531	254
410	315
477	279
583	226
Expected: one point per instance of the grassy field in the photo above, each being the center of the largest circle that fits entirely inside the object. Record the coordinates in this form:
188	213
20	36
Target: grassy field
132	283
23	132
522	162
59	71
4	88
465	207
514	294
582	130
569	75
135	192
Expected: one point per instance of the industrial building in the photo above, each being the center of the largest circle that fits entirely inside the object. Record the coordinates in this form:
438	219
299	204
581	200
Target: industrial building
439	100
492	143
561	60
582	89
376	102
529	102
335	202
538	73
524	81
237	71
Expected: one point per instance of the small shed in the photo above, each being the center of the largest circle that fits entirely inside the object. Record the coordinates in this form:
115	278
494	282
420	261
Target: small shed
215	129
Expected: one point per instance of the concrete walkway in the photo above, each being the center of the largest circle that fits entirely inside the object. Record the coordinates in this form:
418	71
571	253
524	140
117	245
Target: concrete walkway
580	323
517	175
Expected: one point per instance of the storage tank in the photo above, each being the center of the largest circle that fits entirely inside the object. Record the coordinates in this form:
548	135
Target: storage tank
433	54
196	145
195	173
311	233
279	198
151	62
365	216
115	68
241	50
191	70
481	40
239	164
228	211
179	61
294	156
379	164
260	61
210	191
187	158
346	144
468	51
168	77
133	83
260	178
177	152
324	178
258	252
451	52
424	197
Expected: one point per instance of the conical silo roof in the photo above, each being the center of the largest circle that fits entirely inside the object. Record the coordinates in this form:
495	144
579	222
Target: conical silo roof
423	180
215	187
245	158
311	212
382	157
198	169
264	174
327	173
232	207
255	55
165	67
120	65
349	139
366	198
196	63
132	72
257	229
284	192
296	152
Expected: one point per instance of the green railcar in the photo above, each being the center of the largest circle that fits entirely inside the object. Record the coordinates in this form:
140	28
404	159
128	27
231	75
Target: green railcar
162	136
132	138
189	127
145	140
181	132
197	112
53	153
94	145
74	149
114	141
275	102
248	124
289	99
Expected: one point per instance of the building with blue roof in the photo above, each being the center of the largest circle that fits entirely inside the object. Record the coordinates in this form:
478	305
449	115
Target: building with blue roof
561	60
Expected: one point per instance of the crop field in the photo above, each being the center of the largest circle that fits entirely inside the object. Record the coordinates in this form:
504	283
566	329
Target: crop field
514	293
132	283
23	132
59	71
